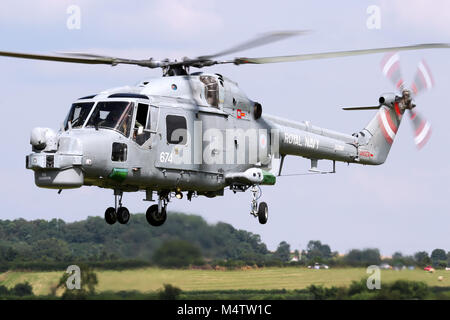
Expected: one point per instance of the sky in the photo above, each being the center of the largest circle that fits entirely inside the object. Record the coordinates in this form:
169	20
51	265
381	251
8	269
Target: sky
402	205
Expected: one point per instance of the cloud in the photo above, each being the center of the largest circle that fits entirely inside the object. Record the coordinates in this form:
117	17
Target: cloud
148	21
394	188
43	12
424	17
188	17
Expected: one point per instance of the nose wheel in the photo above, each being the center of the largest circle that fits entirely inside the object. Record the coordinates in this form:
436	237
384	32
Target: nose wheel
118	213
261	211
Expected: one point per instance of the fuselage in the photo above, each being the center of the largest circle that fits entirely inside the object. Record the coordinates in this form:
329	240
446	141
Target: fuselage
191	133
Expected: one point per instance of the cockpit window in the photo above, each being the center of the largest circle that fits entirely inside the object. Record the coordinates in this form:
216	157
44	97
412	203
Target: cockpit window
211	90
116	115
78	114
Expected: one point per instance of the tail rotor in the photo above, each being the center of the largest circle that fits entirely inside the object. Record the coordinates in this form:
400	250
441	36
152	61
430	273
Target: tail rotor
403	101
423	81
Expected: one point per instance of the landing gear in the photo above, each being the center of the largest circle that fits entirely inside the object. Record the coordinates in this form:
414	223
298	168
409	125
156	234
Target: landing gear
110	215
261	211
123	215
154	217
157	214
118	213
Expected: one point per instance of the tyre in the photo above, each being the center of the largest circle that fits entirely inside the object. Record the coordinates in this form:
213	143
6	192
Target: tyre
263	213
154	218
123	215
110	215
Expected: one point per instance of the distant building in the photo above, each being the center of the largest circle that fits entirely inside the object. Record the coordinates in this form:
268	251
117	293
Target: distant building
385	266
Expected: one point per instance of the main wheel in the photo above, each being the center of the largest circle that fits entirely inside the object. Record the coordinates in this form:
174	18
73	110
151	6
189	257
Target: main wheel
154	218
110	215
123	215
263	213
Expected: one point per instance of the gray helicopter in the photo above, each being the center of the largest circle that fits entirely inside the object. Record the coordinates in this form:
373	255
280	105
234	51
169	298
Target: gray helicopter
196	134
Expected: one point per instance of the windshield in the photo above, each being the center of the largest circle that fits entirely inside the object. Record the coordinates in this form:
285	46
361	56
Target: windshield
116	115
78	114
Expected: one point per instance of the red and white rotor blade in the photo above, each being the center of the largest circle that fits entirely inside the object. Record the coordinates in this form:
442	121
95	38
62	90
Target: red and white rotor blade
423	79
422	129
390	66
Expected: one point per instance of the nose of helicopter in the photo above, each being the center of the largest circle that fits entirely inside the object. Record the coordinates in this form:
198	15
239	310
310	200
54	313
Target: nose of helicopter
56	166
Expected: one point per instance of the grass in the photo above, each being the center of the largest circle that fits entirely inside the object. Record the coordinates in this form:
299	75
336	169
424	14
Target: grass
152	279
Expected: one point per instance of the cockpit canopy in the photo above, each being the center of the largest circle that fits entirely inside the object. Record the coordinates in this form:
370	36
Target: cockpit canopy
78	114
115	115
133	118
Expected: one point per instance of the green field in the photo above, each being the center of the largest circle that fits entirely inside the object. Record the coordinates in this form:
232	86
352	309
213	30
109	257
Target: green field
152	279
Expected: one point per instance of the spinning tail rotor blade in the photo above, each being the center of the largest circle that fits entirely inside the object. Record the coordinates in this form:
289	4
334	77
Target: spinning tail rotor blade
423	79
390	66
422	129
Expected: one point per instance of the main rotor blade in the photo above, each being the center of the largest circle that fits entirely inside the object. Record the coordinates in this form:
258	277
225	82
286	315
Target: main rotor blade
336	54
256	42
85	55
81	58
361	108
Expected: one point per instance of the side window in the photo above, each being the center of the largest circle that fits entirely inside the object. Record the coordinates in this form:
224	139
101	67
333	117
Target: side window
119	152
211	90
140	135
176	129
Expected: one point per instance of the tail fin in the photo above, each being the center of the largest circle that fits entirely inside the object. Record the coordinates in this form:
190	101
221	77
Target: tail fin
379	134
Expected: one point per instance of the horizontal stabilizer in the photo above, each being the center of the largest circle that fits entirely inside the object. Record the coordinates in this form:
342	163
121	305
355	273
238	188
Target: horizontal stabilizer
361	108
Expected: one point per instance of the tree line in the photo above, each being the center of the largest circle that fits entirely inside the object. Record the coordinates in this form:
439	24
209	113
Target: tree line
318	253
182	241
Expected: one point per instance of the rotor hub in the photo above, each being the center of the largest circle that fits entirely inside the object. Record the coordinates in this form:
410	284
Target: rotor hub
406	100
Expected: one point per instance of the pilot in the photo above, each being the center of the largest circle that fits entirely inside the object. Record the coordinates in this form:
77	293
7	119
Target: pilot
124	126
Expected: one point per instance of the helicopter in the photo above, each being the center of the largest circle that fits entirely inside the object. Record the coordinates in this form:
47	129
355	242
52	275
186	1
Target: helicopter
196	134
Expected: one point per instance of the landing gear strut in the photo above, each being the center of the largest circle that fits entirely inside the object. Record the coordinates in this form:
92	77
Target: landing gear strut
119	213
157	214
261	211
